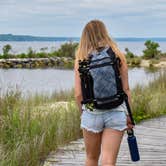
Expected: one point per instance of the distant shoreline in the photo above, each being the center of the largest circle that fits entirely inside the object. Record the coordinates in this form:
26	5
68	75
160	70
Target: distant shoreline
26	38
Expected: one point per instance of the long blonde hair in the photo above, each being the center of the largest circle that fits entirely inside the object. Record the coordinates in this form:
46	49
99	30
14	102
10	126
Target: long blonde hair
95	35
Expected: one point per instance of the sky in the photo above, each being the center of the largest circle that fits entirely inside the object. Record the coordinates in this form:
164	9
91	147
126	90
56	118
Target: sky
67	18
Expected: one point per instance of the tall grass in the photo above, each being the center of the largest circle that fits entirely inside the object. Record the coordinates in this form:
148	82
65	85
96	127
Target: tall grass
150	101
28	133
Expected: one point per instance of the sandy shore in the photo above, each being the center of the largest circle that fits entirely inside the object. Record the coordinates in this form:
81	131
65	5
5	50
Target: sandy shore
146	63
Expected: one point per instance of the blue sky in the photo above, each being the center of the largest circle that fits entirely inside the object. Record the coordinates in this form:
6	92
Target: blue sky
123	18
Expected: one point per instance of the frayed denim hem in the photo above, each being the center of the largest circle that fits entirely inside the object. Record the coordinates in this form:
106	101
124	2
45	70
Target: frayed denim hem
118	129
91	130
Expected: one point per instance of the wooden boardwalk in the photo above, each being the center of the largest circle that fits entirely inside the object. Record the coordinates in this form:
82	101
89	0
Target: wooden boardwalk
151	139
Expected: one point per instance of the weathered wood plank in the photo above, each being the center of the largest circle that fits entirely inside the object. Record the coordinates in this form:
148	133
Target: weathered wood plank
151	139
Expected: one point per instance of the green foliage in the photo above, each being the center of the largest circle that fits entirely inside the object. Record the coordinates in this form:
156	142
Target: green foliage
30	53
22	55
6	48
67	50
151	50
136	61
149	101
69	64
41	55
132	59
30	128
129	54
1	56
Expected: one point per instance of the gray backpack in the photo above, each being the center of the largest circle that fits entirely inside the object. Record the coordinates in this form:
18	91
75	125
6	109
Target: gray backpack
100	80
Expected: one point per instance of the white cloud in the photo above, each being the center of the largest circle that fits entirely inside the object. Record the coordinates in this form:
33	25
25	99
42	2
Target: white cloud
75	12
72	7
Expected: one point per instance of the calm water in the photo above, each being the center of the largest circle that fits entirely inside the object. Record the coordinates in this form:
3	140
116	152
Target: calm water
19	47
50	80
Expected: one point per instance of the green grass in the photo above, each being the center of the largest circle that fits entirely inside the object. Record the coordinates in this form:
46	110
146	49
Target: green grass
149	101
135	61
30	128
28	132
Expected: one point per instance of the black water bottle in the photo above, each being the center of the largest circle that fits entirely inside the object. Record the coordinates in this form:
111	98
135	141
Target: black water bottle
132	143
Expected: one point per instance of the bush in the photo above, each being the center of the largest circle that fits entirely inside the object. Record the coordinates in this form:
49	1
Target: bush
136	61
6	48
22	55
129	54
67	50
31	53
41	55
1	56
151	50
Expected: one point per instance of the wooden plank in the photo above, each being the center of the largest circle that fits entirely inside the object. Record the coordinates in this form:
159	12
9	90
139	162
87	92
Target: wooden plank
151	139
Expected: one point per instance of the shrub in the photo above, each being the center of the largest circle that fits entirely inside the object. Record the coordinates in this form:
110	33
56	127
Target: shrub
129	54
31	53
134	61
6	49
22	55
41	55
67	50
151	50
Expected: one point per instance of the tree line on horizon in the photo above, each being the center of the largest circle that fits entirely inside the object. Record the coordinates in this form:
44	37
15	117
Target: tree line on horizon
68	50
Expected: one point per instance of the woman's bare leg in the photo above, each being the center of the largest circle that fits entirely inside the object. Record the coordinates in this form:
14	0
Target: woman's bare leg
111	140
93	147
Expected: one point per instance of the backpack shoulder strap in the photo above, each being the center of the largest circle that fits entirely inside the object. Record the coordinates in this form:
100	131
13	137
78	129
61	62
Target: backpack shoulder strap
111	53
116	67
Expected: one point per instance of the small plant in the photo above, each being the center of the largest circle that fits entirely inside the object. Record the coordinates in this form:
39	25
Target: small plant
22	55
134	61
129	54
6	49
31	53
67	50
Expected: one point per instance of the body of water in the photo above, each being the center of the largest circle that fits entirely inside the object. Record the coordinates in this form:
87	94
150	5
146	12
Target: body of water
19	47
51	80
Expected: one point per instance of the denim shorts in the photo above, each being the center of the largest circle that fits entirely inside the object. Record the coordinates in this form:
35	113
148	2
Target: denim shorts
96	121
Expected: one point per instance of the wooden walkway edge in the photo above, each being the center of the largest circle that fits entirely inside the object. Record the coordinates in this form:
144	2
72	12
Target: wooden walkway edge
151	139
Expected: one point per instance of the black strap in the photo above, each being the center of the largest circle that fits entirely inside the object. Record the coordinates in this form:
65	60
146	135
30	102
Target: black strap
109	97
116	61
129	109
86	80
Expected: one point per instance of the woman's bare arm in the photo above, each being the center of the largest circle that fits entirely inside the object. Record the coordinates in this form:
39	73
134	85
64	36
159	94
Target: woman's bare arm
125	84
124	77
77	90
